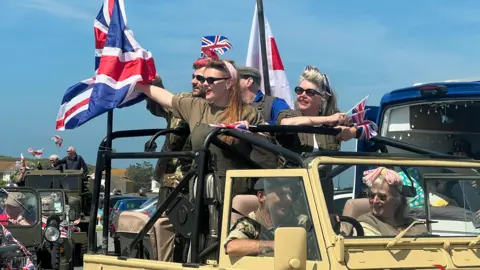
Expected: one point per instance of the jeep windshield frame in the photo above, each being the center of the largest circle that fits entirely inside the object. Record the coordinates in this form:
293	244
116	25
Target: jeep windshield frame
201	168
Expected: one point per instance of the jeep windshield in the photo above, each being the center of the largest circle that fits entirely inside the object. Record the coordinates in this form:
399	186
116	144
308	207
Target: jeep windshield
444	126
66	182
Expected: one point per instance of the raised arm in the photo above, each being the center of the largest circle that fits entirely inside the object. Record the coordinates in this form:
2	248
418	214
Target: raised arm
158	94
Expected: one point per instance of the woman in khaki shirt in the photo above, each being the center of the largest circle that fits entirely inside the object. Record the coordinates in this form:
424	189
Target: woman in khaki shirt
222	105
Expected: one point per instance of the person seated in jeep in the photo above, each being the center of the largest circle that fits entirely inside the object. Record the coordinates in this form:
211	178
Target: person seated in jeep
253	235
14	210
389	207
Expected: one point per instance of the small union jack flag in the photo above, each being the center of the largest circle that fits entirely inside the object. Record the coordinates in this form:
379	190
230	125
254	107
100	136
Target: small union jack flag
29	265
218	44
369	129
57	140
358	111
237	125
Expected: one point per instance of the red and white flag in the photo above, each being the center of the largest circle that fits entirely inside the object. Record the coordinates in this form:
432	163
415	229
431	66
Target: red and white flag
278	78
36	153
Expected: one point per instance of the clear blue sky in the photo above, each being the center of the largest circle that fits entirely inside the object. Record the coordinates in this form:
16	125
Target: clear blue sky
366	47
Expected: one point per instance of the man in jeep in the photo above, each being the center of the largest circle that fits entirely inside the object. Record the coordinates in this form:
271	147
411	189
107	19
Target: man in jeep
253	235
269	107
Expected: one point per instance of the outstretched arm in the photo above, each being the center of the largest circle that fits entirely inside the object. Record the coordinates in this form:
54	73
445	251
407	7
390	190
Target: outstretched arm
158	94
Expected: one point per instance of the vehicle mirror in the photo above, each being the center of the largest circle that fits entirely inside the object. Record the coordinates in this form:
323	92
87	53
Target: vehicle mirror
73	215
290	248
409	191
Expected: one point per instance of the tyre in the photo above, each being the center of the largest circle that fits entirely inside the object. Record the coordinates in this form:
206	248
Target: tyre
55	256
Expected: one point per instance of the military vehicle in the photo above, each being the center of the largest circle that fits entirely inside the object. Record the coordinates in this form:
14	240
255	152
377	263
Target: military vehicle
320	243
58	250
76	188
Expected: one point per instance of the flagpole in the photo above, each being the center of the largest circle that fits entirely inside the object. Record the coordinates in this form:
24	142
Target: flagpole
98	180
263	48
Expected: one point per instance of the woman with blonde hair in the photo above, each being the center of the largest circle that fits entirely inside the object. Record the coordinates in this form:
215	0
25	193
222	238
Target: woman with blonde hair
316	105
222	105
389	207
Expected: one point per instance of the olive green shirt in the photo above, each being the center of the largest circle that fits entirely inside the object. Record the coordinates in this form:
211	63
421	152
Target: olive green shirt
199	114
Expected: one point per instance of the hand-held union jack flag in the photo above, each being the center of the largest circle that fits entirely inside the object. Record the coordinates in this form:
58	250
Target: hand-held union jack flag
358	111
369	129
120	64
237	125
218	44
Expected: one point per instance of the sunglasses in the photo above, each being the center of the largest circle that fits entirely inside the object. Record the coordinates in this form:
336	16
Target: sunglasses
381	197
210	80
310	92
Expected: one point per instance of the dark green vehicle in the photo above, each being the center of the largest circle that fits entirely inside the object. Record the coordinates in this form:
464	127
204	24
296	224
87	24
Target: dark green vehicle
77	198
58	248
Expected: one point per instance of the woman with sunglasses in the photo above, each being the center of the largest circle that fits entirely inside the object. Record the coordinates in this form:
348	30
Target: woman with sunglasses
316	105
222	105
389	207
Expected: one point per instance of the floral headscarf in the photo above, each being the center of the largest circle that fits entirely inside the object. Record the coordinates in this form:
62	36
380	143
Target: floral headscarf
391	176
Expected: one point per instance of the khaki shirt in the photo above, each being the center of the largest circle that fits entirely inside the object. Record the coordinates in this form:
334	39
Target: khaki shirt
303	142
245	229
199	113
374	226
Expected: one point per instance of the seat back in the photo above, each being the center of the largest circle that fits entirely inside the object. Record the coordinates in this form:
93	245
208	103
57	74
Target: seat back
245	204
165	237
129	225
354	208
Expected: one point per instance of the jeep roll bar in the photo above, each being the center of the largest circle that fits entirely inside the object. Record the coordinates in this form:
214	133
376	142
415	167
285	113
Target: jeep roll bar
105	155
201	169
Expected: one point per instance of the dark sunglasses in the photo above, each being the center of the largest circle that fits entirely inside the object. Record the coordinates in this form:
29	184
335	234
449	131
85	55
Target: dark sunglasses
210	80
381	197
310	92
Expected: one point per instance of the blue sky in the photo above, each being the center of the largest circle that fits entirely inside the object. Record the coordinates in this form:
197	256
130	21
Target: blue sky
366	47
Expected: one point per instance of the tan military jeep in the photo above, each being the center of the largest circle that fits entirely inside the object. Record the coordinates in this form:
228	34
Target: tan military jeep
314	240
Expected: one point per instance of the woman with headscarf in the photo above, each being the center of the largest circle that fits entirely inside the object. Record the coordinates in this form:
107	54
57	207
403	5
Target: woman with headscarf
222	105
389	207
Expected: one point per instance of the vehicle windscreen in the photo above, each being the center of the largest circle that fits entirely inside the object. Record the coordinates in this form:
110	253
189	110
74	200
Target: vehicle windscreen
66	182
115	199
447	196
18	208
148	202
132	204
52	202
442	126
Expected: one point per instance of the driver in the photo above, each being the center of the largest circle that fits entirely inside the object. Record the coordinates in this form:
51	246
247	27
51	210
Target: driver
388	206
253	235
14	210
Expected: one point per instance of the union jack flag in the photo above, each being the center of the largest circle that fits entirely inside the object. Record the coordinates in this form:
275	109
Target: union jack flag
358	111
369	129
120	63
57	140
29	265
218	44
238	126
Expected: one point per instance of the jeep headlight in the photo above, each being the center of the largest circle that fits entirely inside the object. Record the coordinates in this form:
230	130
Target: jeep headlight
52	233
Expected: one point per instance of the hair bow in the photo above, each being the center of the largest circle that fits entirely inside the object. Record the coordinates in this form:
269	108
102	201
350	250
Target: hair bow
391	176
